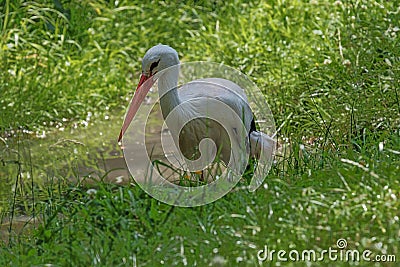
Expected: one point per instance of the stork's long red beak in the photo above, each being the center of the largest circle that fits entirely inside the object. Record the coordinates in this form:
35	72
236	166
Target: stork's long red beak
141	92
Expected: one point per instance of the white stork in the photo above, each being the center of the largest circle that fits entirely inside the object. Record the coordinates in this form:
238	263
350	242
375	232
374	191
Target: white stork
162	57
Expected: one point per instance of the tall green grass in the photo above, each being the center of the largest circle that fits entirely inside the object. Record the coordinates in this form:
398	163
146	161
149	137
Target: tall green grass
329	71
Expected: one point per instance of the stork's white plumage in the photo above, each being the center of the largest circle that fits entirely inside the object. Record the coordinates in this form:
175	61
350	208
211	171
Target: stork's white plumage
197	94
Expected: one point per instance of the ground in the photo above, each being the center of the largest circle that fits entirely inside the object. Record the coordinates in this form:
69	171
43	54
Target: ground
330	74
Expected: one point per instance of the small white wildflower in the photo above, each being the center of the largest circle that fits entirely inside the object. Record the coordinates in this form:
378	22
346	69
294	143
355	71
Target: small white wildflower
380	146
91	191
42	135
317	32
346	62
12	72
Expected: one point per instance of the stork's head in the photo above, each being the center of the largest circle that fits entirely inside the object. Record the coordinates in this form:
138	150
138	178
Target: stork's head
156	59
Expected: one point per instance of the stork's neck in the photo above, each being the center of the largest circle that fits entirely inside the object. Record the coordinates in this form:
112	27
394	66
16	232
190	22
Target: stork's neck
167	91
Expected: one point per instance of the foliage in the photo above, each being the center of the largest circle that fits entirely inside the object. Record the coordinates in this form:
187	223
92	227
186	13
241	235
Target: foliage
330	73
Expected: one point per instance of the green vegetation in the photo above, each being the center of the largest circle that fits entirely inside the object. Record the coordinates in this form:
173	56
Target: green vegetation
330	72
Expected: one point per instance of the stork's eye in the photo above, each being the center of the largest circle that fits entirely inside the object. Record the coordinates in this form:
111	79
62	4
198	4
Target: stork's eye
153	65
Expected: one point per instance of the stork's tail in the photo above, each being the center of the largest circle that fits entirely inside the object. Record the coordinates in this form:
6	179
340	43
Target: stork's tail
261	145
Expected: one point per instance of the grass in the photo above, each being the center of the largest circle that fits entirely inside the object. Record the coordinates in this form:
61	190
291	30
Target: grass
330	73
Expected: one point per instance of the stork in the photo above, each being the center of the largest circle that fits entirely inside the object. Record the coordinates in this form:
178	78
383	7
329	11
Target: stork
197	94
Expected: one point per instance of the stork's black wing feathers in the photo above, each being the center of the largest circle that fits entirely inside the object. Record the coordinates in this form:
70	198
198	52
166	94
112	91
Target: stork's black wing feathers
252	126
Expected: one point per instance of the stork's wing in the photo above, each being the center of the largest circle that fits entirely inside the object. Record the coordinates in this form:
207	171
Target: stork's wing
223	90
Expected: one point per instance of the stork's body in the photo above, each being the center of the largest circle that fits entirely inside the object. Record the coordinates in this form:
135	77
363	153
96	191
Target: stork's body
197	95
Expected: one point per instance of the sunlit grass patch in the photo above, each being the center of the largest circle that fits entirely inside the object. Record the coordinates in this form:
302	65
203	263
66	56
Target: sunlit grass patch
329	71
